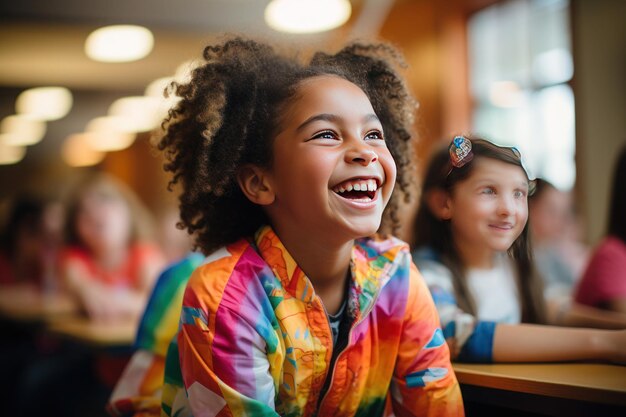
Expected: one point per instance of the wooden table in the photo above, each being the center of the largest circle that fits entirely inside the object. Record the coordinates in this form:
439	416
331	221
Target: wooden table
96	334
25	303
568	389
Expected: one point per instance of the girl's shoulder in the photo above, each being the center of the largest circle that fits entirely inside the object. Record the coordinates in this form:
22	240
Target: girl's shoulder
613	245
217	268
426	253
431	267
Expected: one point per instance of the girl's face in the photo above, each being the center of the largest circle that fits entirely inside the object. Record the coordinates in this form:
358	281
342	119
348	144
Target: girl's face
103	221
488	210
332	172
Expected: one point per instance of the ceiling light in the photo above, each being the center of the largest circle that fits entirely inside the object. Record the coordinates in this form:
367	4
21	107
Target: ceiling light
307	16
22	130
157	89
183	72
119	43
10	154
142	113
45	103
78	153
110	133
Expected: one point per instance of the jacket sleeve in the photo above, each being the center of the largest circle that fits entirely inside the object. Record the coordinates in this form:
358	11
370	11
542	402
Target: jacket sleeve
424	383
224	365
469	339
137	393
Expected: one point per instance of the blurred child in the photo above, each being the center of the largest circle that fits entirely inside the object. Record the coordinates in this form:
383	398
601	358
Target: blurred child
110	262
559	253
108	265
300	307
604	282
30	241
29	245
138	392
474	252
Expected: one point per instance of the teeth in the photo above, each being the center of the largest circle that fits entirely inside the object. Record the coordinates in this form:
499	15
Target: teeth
358	185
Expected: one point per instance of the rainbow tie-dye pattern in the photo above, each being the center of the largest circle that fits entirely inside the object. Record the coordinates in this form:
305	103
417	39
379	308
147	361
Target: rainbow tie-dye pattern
255	339
138	391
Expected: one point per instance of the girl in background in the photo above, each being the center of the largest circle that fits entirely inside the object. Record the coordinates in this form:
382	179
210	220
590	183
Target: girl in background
110	262
138	391
473	250
604	283
558	250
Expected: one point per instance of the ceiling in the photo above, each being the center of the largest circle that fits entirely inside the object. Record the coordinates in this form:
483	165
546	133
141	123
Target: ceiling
41	42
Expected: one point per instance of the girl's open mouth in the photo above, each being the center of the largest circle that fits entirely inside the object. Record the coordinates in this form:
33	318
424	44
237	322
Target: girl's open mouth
358	189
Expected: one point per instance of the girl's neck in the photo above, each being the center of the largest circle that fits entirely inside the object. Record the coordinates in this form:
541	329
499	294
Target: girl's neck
326	266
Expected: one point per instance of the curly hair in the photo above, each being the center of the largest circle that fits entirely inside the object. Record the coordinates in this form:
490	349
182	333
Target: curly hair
229	113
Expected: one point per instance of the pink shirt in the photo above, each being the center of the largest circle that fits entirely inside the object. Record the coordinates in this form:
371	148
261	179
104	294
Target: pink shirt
605	276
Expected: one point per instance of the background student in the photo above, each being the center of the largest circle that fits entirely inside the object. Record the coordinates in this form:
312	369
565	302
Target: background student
604	282
108	266
473	250
110	261
558	250
139	389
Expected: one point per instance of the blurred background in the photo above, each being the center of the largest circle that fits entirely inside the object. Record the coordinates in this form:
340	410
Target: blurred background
545	75
81	86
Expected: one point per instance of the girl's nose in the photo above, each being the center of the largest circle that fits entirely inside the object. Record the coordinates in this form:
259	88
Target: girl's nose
361	155
506	205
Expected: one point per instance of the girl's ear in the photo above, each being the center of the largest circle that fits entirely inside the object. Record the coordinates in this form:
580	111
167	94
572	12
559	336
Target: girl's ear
439	203
254	183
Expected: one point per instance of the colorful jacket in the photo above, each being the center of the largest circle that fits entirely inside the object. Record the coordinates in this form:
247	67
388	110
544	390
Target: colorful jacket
138	391
255	339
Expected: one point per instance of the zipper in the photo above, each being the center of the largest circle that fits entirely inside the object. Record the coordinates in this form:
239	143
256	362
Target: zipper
323	394
324	386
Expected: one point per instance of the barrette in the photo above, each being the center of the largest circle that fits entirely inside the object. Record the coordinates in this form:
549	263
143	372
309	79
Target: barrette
460	150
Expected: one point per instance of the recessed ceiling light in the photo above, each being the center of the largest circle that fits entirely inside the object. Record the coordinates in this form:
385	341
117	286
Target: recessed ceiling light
77	151
22	130
307	16
44	103
110	133
141	113
10	154
119	43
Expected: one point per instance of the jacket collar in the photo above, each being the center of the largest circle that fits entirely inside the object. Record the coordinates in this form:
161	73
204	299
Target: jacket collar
373	262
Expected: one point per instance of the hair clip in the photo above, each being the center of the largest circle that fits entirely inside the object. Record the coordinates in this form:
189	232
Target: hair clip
460	150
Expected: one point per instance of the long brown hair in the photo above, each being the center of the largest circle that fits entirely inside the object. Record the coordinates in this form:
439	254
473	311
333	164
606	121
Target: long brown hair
433	232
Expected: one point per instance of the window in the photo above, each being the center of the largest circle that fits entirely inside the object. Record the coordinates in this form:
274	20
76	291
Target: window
520	68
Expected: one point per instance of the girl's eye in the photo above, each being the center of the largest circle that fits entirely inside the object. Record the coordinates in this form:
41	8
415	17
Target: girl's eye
488	191
374	134
326	134
519	194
